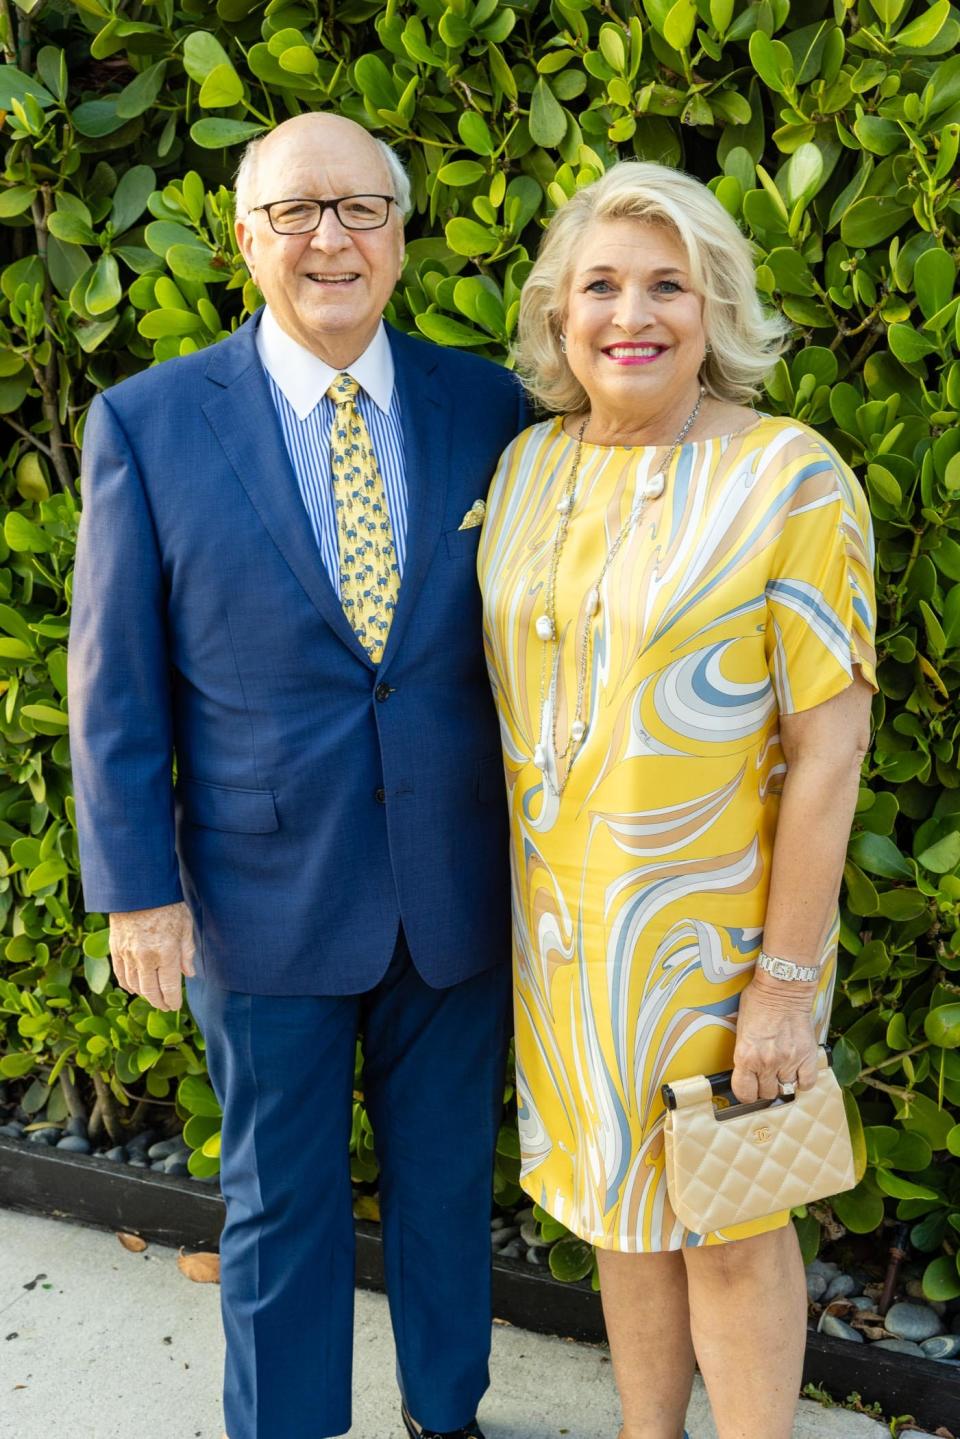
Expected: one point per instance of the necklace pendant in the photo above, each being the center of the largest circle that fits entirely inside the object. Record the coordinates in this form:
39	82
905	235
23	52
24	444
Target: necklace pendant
592	602
544	628
577	731
565	505
540	757
653	487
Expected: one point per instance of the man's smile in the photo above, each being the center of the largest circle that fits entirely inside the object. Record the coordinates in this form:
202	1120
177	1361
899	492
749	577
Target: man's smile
345	279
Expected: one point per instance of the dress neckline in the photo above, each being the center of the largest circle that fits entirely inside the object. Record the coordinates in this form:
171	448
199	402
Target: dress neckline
761	415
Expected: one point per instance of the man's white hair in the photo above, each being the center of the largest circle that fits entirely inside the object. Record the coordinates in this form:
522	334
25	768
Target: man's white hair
245	183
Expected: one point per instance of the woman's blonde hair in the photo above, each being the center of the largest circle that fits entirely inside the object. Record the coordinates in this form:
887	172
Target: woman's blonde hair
744	339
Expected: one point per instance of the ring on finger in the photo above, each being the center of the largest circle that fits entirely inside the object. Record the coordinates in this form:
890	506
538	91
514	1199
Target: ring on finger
786	1088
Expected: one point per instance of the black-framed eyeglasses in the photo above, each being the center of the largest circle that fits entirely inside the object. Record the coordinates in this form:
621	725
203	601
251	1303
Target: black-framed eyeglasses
299	216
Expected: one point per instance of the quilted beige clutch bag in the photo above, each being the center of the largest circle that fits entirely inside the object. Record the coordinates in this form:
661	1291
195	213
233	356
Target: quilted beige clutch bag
759	1160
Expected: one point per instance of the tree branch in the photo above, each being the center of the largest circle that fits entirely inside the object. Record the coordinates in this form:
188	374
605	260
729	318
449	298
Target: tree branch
28	435
48	377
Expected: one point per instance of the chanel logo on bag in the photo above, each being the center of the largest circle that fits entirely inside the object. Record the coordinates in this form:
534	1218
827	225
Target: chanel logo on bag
762	1133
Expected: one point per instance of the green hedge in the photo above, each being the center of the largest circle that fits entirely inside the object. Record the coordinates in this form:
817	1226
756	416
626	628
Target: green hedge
830	130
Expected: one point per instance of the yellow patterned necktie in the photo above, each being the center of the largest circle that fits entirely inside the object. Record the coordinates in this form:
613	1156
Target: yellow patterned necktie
369	573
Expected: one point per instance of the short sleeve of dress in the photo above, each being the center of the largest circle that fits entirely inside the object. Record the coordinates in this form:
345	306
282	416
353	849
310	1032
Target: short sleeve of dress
821	607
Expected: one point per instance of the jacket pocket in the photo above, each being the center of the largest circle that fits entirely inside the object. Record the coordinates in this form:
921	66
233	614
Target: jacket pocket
217	806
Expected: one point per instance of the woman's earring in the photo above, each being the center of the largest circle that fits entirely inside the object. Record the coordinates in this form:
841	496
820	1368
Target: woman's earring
563	344
708	349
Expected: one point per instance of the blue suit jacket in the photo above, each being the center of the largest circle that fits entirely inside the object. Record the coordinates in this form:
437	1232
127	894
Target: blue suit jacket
313	811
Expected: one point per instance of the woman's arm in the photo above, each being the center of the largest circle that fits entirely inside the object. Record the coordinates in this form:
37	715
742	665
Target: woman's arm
824	749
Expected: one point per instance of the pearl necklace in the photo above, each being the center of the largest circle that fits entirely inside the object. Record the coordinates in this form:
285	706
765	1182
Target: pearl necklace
546	625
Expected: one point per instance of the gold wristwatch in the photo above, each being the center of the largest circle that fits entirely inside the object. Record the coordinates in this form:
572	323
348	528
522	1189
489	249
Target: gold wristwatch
787	969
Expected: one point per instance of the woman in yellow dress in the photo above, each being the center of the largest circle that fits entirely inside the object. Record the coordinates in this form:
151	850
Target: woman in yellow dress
678	619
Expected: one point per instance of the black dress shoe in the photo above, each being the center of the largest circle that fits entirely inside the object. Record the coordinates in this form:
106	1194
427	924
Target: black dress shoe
471	1430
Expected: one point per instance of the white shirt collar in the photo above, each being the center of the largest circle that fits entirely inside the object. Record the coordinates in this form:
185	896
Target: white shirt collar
304	378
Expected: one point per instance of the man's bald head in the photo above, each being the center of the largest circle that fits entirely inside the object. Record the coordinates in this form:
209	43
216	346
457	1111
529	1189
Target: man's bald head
315	131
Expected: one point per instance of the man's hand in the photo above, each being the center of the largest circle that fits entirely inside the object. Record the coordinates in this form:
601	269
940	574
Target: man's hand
775	1039
150	949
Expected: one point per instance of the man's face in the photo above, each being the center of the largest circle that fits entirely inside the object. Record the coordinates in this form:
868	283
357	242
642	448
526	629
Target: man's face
327	289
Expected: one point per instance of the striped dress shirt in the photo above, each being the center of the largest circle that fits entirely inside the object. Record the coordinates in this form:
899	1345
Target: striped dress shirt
298	381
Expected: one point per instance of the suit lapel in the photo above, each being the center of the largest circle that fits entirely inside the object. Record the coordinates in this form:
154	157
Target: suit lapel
426	446
241	412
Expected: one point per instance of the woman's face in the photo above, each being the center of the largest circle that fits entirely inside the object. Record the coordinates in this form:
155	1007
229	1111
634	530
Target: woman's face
634	325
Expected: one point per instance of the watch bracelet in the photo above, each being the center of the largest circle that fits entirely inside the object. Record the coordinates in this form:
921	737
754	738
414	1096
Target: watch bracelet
775	966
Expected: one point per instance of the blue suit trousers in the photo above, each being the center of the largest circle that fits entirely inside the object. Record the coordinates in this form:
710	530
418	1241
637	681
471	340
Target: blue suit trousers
283	1070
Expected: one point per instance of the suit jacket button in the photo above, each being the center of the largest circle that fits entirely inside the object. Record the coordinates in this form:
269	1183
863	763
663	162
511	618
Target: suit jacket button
380	795
383	691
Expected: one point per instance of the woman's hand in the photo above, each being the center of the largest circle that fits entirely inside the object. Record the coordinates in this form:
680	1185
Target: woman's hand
776	1040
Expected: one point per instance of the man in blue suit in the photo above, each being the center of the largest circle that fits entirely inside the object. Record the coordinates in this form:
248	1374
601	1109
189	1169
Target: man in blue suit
275	594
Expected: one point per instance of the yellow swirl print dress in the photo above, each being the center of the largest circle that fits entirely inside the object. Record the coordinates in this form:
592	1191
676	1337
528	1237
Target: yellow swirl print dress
639	895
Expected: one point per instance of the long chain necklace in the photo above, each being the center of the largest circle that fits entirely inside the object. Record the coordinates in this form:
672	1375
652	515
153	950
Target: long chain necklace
546	625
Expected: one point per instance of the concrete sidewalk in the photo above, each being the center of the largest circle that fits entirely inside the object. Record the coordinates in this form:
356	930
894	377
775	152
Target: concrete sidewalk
99	1343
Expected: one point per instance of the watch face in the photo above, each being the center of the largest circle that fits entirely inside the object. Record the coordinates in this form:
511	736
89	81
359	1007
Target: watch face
782	969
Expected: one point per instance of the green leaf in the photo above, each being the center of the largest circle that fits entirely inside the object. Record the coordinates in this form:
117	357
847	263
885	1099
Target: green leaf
678	27
879	136
300	60
926	27
570	1260
96	945
157	324
899	1188
808	1227
934	276
15	85
872	219
861	894
96	972
941	1281
131	195
375	82
196	1097
195	262
24	536
942	1026
214	134
199	1128
792	275
96	118
137	97
548	119
46	716
201	1166
942	857
104	291
805	174
461	172
15	199
921	1115
467	237
877	854
15	1066
202	53
909	345
845	1061
475	133
443	330
221	89
164	233
860	1210
71	229
50	871
772	61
